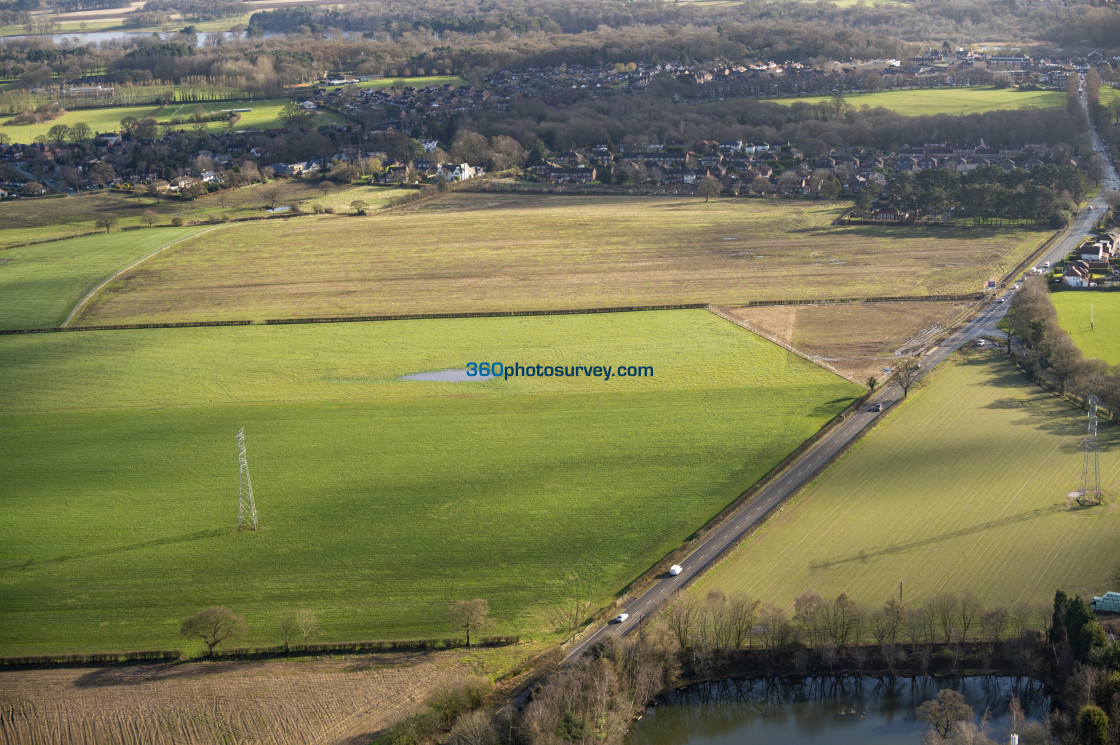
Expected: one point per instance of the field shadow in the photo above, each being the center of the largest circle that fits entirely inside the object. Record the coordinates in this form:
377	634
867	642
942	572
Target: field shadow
901	548
156	543
141	674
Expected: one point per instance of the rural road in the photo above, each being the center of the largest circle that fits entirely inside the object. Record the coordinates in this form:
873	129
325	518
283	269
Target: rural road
813	460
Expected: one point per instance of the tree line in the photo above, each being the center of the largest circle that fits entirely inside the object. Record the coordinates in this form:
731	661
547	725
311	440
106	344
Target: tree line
1049	349
1047	194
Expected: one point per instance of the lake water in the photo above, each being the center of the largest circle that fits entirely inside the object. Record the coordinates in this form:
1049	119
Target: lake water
446	376
837	711
96	37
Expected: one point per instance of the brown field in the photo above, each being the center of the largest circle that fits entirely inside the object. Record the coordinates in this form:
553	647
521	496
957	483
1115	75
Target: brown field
476	252
39	219
858	339
341	700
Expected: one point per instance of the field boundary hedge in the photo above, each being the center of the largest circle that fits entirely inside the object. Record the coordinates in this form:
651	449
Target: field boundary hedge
83	659
488	314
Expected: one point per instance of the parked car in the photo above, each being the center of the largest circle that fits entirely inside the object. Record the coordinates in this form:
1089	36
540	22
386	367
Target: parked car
981	343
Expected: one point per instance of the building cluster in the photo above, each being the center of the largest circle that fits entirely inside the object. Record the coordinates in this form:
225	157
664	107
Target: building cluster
1093	265
739	165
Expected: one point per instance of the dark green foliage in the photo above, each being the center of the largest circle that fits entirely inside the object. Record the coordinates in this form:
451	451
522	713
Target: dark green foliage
1094	726
572	727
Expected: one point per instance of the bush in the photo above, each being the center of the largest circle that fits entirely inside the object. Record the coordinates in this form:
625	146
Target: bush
177	221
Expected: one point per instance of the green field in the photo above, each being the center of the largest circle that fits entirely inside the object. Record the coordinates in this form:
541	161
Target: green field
963	489
475	252
1101	338
380	500
956	101
264	115
416	82
40	284
99	120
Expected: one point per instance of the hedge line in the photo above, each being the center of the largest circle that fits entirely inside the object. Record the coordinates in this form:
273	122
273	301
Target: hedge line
250	653
491	314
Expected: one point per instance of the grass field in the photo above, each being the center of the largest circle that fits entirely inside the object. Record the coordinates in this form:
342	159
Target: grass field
416	82
473	252
380	500
1102	338
957	101
99	120
963	488
264	115
40	284
39	219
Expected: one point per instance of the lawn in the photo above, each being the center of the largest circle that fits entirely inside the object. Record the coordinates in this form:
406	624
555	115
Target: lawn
956	101
41	284
1101	337
478	252
264	115
963	488
38	219
380	500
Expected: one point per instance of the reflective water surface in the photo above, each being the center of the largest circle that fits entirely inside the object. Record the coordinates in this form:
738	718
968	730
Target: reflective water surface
838	711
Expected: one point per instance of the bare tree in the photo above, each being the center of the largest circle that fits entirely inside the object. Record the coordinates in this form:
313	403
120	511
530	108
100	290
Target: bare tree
943	609
214	626
807	611
287	627
906	374
307	624
710	187
968	610
474	728
359	207
149	217
741	614
680	616
107	222
470	615
271	196
992	624
945	713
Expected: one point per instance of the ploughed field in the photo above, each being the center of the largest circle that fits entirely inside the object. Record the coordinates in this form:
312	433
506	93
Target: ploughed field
1092	320
963	488
479	252
381	501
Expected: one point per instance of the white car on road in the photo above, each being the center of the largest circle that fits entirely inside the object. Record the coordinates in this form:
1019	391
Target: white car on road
620	617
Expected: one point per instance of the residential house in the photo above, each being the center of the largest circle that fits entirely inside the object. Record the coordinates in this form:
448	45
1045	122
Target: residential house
1077	274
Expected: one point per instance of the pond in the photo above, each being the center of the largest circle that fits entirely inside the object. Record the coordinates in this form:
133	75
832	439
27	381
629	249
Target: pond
838	711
